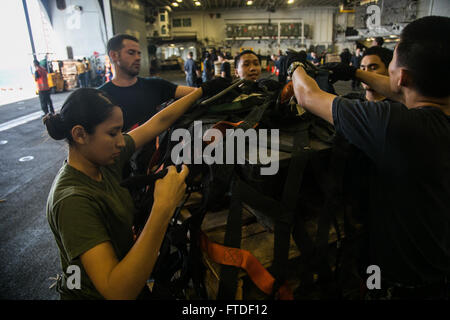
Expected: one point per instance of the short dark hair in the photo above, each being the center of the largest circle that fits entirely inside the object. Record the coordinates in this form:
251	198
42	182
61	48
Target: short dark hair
384	54
238	57
417	40
379	41
116	42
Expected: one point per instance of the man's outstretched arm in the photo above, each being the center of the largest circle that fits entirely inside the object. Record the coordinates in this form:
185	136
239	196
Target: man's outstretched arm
311	97
379	83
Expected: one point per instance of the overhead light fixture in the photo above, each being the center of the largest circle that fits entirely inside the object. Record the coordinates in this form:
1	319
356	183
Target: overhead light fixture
174	4
179	0
290	1
364	2
197	3
181	48
393	36
249	2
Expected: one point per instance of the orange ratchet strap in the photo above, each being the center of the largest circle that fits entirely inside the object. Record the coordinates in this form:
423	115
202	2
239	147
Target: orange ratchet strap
245	260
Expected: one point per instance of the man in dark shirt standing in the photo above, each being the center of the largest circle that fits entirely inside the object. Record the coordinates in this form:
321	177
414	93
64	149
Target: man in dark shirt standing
282	76
409	218
346	56
356	62
225	68
190	69
137	97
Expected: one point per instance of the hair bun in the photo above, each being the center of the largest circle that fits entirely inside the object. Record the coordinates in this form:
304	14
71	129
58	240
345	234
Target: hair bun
56	127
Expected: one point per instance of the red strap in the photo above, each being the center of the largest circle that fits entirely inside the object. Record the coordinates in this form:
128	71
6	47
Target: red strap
134	127
245	260
222	126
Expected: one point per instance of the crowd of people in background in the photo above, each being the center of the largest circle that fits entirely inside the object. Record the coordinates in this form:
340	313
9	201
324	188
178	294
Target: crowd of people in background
203	69
277	60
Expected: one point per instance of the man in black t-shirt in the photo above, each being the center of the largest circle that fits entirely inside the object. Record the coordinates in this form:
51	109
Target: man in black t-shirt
409	145
190	69
138	97
225	68
282	76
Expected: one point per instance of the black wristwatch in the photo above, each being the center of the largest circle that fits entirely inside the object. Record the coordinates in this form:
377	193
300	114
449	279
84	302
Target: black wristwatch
294	66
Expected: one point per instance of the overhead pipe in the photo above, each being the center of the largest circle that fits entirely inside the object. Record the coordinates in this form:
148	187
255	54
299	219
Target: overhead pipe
30	33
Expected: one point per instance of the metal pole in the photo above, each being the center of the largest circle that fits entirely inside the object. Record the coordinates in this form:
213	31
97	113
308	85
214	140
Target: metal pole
30	33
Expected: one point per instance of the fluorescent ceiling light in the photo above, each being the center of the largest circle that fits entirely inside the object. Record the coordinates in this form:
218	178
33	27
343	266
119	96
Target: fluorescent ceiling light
290	1
197	3
249	2
174	4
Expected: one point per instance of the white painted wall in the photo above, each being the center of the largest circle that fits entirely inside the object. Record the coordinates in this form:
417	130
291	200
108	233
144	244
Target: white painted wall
86	31
83	30
207	25
433	8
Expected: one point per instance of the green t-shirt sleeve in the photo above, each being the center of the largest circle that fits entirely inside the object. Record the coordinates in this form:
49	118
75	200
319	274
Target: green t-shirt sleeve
80	225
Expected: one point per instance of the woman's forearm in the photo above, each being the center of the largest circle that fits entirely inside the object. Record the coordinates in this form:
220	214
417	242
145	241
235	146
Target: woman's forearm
164	119
130	275
170	114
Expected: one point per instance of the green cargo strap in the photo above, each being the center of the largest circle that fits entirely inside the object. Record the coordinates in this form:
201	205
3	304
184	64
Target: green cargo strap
284	222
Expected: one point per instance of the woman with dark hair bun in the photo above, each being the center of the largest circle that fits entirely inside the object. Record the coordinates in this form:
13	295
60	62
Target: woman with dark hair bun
90	214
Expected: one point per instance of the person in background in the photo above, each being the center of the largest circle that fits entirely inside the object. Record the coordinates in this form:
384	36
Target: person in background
346	56
40	76
378	42
99	76
208	68
356	61
282	76
87	72
190	69
314	59
214	55
138	97
225	68
81	71
108	73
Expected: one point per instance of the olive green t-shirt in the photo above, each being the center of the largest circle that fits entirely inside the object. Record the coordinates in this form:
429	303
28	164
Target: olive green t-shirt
83	213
